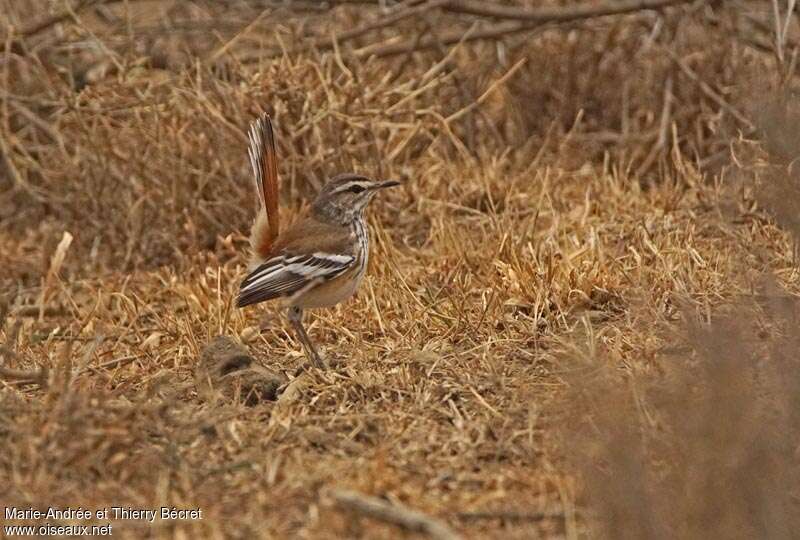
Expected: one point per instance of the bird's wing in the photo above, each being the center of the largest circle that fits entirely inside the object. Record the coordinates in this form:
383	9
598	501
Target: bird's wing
308	251
284	275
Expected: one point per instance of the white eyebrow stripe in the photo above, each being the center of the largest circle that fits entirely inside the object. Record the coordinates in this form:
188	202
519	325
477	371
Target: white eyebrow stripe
360	182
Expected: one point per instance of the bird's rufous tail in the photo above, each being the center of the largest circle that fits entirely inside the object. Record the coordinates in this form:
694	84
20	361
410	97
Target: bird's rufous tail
264	160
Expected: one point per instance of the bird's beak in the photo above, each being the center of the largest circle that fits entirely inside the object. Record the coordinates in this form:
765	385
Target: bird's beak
387	183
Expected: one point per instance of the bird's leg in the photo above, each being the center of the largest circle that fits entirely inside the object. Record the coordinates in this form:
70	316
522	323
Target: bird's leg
296	318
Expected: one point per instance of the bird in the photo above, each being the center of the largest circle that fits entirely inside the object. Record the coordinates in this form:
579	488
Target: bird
320	260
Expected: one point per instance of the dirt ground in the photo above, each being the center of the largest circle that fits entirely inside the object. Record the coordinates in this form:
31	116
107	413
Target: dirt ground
578	315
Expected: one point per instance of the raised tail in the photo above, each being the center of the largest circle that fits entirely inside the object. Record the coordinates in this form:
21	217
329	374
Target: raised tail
264	160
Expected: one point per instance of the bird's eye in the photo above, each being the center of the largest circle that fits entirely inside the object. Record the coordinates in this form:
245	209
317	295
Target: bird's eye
356	188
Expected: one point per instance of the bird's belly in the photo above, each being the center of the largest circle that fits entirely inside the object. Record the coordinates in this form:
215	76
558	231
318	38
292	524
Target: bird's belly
344	286
331	293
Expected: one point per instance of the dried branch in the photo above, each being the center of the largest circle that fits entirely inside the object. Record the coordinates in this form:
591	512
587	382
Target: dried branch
36	310
22	376
494	86
46	23
709	92
518	20
14	173
39	376
482	8
505	515
663	130
324	43
557	14
408	519
381	50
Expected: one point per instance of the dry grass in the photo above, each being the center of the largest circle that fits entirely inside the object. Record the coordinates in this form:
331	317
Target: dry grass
583	202
706	447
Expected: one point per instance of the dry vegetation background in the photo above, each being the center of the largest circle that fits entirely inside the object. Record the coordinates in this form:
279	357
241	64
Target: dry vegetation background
580	318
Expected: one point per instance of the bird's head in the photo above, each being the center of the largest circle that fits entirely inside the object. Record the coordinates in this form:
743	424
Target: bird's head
346	195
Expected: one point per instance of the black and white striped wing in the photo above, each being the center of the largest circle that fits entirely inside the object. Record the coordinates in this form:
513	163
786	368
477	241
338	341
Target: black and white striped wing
285	275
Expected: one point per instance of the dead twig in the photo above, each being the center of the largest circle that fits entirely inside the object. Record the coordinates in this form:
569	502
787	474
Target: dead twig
709	92
45	24
556	14
408	519
56	261
663	130
18	375
517	20
509	516
494	86
17	179
382	50
116	362
329	43
495	10
23	376
35	119
37	310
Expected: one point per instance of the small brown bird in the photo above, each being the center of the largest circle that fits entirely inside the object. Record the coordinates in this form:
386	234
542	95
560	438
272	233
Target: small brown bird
320	260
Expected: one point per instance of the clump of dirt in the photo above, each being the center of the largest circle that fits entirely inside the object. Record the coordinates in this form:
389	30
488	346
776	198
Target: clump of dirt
226	368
